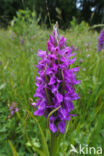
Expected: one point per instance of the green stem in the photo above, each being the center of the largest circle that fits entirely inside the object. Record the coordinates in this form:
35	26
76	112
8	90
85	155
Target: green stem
55	143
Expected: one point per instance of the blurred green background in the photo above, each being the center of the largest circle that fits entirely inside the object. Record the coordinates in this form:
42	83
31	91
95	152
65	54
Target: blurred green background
26	32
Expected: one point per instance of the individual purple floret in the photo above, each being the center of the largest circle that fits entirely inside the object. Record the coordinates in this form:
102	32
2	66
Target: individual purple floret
101	41
55	83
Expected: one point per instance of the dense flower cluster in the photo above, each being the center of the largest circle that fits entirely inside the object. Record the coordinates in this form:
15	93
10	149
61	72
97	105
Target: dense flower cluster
101	41
55	84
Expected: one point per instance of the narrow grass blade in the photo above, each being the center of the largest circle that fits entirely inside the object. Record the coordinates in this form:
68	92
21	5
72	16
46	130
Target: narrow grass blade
13	148
44	143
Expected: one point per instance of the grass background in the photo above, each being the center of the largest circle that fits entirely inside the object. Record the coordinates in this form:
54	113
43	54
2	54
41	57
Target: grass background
18	55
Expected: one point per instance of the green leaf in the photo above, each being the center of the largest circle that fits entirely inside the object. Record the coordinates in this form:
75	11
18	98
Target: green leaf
31	142
53	111
2	86
35	142
44	143
13	148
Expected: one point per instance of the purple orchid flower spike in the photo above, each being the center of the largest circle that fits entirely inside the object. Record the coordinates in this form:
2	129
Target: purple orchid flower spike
56	81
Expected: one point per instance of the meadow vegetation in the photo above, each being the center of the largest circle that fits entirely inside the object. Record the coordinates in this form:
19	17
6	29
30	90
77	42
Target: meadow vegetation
18	56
